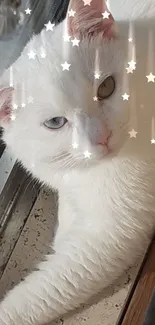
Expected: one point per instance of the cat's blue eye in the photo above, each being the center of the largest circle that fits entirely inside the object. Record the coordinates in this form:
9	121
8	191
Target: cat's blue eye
55	122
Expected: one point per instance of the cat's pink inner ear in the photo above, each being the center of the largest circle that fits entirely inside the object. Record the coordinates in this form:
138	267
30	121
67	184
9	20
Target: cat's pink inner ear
6	94
87	17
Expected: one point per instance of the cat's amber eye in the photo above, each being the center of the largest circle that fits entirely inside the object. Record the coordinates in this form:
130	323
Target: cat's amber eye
106	88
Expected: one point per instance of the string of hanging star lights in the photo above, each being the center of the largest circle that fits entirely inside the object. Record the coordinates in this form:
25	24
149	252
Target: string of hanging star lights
129	69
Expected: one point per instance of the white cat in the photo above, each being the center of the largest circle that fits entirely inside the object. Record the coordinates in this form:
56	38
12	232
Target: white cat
81	146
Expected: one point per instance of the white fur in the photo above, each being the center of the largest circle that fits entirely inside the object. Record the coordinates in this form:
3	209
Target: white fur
106	203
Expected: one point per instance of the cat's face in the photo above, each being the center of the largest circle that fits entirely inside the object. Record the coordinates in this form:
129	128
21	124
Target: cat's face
76	117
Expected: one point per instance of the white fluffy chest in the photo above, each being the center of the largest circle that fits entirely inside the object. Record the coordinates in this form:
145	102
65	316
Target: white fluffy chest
117	198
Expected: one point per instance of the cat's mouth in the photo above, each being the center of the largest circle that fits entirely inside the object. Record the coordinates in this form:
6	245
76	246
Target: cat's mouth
105	143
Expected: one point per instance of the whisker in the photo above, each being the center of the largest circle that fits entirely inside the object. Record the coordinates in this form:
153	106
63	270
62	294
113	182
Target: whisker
62	155
64	159
68	166
33	181
65	164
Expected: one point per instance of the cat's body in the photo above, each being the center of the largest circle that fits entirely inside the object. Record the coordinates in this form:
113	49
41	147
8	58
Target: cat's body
107	200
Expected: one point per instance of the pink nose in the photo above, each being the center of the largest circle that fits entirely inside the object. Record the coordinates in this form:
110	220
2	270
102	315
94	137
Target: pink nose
104	142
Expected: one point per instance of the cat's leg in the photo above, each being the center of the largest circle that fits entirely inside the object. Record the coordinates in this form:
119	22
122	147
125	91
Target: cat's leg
83	264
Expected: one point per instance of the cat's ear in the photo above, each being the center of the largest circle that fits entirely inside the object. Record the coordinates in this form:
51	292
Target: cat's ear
6	95
90	18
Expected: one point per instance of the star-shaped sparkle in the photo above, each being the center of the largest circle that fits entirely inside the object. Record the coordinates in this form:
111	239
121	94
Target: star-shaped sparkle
129	69
65	66
30	99
23	105
95	98
49	26
15	106
152	141
43	55
31	55
66	38
75	42
13	117
97	75
87	2
130	39
87	154
133	133
150	77
71	13
28	11
75	145
106	15
132	64
125	96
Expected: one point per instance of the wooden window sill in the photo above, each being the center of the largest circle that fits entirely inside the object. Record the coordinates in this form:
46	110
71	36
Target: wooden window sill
140	306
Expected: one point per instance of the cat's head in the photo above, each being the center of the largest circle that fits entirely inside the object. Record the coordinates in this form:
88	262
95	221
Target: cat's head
65	108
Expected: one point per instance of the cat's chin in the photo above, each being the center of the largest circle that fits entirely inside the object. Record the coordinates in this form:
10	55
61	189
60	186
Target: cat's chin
107	152
105	156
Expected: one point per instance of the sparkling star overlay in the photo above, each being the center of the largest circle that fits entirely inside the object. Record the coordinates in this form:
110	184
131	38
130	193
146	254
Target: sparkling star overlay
133	133
65	66
49	26
28	11
125	96
71	13
150	77
106	15
87	2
